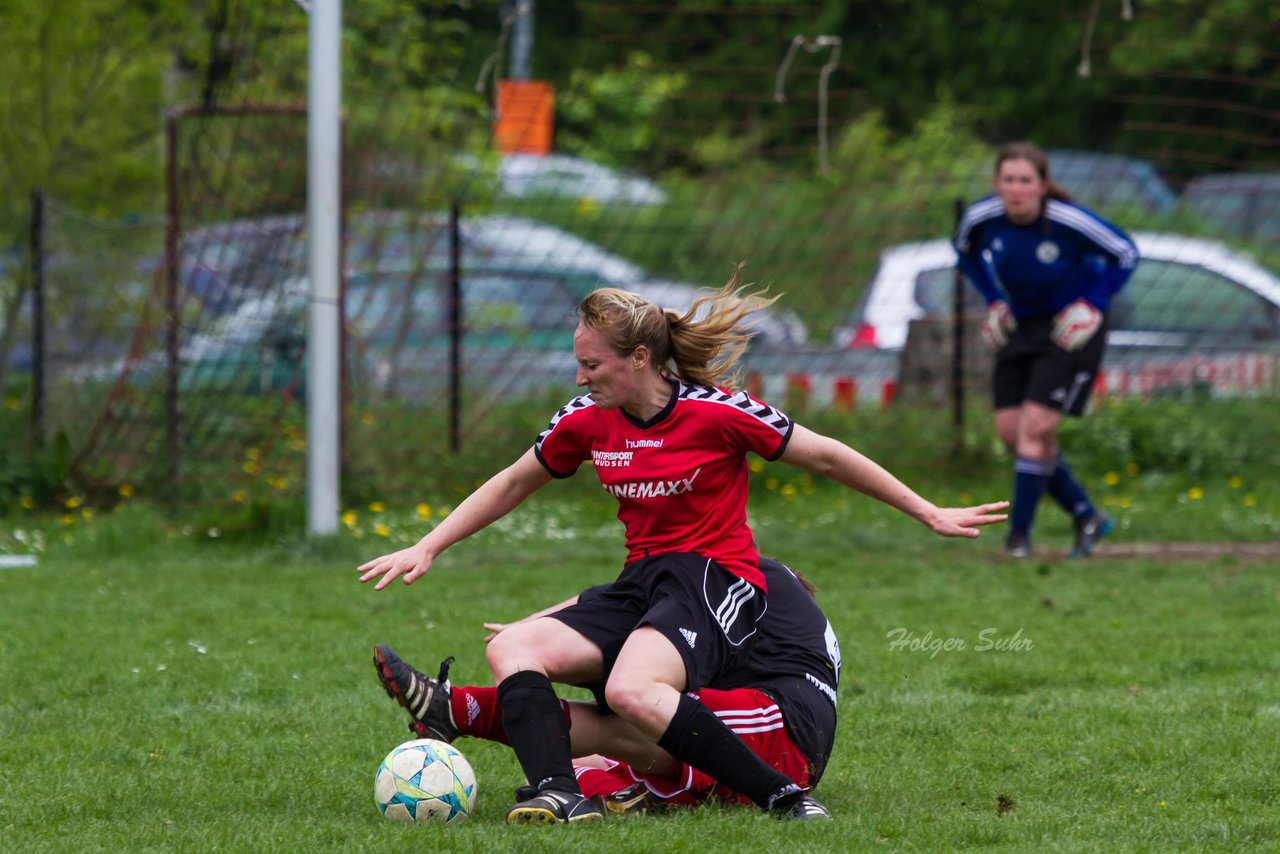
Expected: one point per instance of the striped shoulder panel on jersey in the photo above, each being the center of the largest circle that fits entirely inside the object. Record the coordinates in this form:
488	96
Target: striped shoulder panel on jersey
575	405
739	400
1094	229
975	215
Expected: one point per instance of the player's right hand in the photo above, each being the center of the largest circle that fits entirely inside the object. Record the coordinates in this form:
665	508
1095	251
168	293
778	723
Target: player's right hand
412	563
997	325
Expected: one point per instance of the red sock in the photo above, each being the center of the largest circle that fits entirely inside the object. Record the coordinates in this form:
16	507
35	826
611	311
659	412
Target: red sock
476	712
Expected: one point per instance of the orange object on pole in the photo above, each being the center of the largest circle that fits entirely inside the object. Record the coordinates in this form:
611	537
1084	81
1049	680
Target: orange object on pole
526	111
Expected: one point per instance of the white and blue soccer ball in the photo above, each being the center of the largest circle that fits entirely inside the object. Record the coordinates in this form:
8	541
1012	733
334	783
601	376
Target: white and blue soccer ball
425	780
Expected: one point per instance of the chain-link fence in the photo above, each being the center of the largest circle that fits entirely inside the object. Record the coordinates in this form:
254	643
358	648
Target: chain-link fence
484	200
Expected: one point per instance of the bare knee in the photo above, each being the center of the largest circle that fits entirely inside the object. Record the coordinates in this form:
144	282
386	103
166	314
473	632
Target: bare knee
648	706
511	651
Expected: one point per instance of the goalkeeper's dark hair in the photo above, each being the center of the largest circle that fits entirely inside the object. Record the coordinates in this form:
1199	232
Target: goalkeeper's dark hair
701	346
1034	155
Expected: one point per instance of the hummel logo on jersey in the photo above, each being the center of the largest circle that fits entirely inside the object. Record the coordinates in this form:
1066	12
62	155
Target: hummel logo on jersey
652	488
691	637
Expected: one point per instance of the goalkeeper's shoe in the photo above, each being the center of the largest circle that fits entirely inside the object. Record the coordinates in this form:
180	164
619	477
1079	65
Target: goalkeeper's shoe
1017	544
548	806
426	699
1090	529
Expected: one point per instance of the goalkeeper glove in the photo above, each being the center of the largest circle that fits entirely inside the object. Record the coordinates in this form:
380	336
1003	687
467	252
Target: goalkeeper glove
1075	325
998	324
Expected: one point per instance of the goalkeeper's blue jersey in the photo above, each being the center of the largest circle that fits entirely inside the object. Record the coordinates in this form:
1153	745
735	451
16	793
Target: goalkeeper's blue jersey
1067	254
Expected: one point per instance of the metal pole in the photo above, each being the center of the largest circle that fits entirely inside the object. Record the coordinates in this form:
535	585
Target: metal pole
172	228
957	356
455	325
324	208
522	41
37	315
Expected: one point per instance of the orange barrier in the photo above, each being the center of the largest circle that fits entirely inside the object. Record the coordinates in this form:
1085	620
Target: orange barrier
526	114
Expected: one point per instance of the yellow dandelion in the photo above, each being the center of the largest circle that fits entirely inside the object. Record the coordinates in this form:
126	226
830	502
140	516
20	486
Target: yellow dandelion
1250	501
1235	481
1111	478
240	496
69	519
349	518
756	465
771	483
376	507
253	454
276	482
125	490
87	513
27	502
73	502
1132	469
367	419
12	402
1195	493
423	510
1124	502
789	490
382	530
587	205
251	468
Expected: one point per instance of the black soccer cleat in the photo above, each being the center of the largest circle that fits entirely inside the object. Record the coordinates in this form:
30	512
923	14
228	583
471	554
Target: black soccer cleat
1089	530
549	806
1017	544
805	809
426	699
636	799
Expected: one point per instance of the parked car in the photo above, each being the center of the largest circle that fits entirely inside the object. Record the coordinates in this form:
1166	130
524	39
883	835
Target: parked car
520	283
1186	292
524	175
1241	204
1100	180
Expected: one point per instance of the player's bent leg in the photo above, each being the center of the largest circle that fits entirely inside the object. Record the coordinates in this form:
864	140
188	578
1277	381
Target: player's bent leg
426	699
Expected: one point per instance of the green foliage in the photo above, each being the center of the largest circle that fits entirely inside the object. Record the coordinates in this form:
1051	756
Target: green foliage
1194	438
614	115
33	477
83	96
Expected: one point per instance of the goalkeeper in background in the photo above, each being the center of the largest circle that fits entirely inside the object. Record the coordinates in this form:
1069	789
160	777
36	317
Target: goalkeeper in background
1048	269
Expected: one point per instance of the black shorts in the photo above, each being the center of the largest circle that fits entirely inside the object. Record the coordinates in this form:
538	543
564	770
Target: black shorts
1031	367
708	613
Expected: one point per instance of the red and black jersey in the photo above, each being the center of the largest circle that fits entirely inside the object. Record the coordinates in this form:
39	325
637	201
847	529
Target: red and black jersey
681	477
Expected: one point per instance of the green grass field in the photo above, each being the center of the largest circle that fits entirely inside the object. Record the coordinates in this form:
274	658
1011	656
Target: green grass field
161	692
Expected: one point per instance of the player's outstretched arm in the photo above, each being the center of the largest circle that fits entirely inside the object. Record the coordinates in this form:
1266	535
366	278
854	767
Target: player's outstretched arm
826	456
497	497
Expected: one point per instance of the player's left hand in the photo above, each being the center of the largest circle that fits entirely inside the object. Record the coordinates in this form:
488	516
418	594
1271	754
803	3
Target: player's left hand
1075	325
965	521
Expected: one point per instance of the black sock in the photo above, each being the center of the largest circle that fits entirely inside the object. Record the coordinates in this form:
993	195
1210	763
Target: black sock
701	739
537	731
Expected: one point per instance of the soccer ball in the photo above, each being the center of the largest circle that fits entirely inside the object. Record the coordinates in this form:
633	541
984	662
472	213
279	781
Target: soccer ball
425	780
